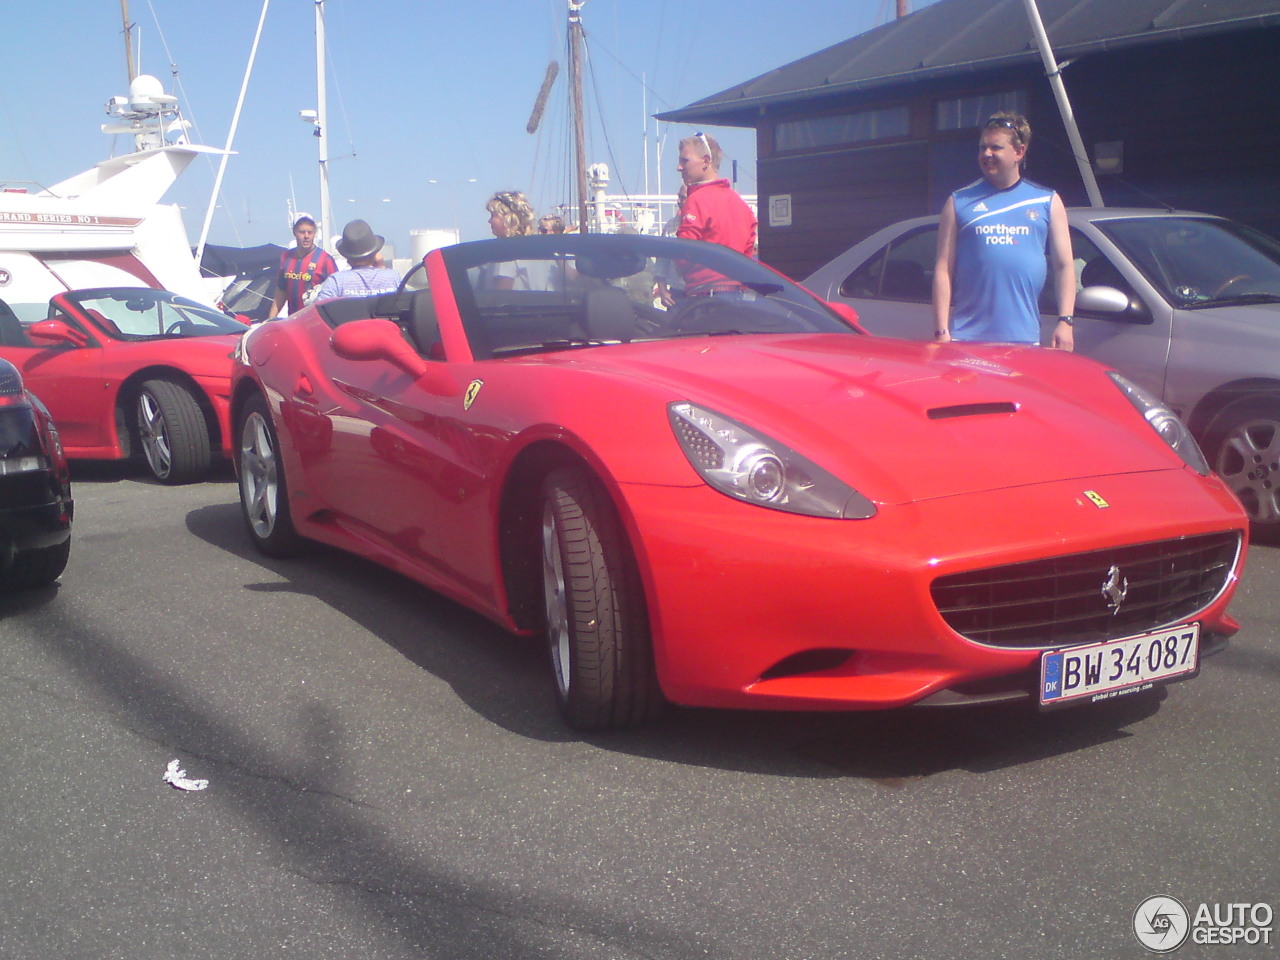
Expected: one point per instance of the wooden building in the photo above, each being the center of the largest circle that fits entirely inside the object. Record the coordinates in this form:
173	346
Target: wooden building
1178	105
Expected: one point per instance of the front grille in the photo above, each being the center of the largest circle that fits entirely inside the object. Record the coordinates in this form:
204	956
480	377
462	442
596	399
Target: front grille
1086	597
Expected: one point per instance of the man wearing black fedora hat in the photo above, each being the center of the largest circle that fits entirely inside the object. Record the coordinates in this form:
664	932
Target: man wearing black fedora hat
359	246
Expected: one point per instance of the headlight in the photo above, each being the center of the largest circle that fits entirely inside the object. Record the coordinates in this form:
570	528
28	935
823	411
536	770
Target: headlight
750	467
1164	422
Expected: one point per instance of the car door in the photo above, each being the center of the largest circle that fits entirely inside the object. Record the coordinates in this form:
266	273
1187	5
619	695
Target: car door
367	443
68	380
1136	341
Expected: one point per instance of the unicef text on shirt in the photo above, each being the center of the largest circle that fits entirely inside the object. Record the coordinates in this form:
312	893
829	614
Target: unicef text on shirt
1000	233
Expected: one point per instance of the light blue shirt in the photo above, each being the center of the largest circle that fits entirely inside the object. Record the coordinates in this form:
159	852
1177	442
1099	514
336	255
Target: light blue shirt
359	282
1000	261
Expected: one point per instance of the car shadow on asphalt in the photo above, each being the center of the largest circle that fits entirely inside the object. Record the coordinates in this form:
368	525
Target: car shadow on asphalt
117	471
506	679
325	836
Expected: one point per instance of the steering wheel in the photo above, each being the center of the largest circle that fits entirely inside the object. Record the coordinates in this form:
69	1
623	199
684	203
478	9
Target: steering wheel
177	327
699	314
1228	284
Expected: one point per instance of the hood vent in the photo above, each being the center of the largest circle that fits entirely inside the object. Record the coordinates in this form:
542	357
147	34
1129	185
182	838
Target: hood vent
972	410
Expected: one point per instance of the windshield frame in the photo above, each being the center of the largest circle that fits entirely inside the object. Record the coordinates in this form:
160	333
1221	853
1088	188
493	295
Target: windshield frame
561	271
191	318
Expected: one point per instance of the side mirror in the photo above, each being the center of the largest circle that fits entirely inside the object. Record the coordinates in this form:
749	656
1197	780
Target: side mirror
377	339
845	313
52	333
1102	300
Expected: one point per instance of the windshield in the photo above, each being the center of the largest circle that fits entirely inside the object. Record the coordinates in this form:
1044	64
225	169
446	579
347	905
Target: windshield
1198	261
134	313
531	294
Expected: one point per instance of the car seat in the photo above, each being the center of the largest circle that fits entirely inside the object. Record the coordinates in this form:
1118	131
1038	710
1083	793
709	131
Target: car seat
423	327
609	315
11	332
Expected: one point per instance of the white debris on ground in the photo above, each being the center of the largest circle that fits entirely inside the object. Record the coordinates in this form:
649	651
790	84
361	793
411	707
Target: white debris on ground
178	777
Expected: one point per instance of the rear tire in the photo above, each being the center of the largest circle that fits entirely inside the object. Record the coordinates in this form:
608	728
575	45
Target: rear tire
32	569
264	497
596	621
172	433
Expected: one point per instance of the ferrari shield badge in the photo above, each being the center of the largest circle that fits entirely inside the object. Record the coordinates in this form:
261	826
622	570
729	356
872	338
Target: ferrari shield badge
473	391
1096	499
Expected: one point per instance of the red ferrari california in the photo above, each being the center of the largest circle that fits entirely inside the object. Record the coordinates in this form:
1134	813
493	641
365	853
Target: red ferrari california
129	370
741	500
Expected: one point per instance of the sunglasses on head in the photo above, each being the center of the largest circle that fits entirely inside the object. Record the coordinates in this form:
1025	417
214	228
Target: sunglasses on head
705	145
1006	123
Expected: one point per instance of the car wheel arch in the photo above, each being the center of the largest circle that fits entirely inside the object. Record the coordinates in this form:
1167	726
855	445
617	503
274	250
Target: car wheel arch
131	387
1215	402
520	523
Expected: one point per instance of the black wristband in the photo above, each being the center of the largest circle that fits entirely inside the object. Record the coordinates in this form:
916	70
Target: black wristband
1068	320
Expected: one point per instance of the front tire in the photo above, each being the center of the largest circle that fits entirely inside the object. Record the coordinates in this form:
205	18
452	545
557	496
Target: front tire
264	498
596	621
172	432
1244	442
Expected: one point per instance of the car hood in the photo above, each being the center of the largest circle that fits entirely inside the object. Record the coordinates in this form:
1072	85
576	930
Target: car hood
905	421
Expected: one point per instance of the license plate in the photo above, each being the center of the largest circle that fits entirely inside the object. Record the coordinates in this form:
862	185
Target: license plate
1102	671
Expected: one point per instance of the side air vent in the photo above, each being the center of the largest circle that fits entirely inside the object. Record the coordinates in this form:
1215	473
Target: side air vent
972	410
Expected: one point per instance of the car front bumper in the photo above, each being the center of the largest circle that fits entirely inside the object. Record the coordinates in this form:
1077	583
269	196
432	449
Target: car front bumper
755	608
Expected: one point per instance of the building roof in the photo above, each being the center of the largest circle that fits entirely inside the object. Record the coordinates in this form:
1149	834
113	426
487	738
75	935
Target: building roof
956	37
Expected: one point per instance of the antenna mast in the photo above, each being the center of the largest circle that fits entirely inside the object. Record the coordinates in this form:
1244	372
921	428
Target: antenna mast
322	127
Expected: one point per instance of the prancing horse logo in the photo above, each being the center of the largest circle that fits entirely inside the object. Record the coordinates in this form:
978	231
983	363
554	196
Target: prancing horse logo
1115	588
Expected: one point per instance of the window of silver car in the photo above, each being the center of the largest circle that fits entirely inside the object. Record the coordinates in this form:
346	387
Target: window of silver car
902	271
1194	260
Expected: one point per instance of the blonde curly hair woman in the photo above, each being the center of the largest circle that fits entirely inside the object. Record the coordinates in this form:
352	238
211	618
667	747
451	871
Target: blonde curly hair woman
510	214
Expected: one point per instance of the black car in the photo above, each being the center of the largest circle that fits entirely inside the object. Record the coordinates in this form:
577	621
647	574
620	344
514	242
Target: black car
35	490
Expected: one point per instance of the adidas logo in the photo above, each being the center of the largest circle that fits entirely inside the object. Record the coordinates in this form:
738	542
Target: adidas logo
980	207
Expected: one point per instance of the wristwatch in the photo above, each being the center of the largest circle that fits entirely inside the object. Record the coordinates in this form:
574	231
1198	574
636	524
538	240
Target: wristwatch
1069	321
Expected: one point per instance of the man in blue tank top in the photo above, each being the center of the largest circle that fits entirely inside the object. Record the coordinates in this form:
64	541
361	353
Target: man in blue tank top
991	248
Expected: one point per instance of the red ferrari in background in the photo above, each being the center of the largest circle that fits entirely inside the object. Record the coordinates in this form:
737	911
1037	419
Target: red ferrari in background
128	370
741	501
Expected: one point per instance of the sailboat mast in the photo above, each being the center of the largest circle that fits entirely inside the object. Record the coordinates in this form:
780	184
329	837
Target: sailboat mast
128	41
322	128
575	84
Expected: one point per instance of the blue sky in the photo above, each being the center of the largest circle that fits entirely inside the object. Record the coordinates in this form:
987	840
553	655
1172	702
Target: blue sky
418	90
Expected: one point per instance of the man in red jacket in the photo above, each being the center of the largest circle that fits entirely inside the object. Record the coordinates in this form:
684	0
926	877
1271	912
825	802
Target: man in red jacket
713	212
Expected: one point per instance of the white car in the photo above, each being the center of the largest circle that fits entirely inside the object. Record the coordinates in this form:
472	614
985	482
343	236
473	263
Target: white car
1185	304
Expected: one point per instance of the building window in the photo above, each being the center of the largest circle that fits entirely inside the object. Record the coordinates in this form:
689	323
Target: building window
842	128
964	113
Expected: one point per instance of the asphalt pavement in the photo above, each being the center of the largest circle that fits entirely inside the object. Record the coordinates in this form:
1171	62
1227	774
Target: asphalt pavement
388	778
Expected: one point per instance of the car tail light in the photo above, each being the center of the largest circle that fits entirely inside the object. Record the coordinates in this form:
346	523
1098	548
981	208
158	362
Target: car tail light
11	392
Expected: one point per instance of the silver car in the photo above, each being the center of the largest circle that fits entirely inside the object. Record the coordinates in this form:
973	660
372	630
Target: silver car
1186	304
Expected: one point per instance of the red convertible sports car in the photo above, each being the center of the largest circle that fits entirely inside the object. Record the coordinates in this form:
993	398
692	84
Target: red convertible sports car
741	501
128	370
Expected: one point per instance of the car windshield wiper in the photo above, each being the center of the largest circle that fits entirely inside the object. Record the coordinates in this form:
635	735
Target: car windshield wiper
1240	300
732	332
